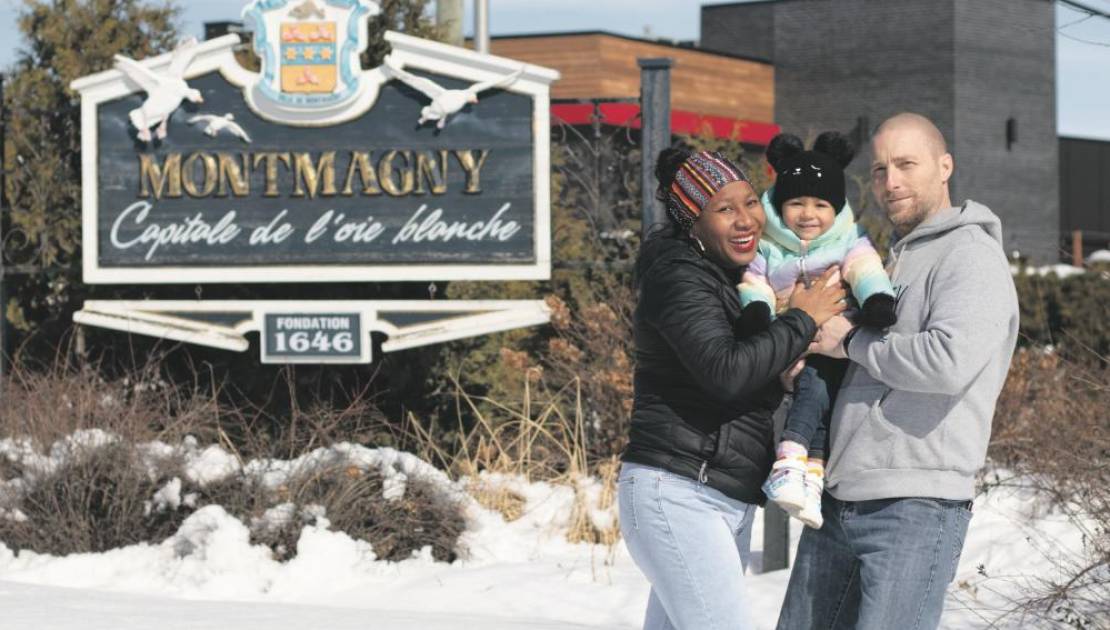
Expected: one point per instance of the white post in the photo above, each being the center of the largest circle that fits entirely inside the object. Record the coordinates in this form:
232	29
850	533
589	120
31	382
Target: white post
449	17
481	26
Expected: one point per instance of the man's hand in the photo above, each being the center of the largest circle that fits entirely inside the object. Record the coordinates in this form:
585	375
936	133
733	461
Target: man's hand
830	337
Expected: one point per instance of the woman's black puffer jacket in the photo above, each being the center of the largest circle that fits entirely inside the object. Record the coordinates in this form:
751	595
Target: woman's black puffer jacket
705	391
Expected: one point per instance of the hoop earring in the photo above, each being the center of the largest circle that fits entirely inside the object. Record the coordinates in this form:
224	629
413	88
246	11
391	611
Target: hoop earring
697	240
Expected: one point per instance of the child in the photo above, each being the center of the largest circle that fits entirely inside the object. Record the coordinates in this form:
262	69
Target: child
809	228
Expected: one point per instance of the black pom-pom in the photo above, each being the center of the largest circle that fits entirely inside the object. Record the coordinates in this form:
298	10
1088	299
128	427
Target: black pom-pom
754	318
879	311
783	146
666	165
837	146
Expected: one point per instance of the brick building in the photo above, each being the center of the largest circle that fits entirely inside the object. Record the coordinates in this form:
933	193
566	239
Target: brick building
601	65
983	70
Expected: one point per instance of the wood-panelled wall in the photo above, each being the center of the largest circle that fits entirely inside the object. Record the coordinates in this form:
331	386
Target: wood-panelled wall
597	65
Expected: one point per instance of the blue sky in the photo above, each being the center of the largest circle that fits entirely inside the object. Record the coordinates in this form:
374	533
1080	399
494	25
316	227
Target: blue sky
1083	69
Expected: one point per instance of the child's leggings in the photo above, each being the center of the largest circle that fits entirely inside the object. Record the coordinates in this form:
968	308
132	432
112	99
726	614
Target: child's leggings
807	421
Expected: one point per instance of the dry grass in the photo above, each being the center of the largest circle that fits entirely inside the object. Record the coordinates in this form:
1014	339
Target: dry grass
538	440
497	497
541	439
583	527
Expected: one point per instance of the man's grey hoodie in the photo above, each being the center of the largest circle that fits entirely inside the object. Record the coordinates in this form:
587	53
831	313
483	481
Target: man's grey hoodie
913	416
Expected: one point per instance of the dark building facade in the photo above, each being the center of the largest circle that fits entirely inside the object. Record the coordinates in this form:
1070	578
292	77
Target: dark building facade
1085	191
983	70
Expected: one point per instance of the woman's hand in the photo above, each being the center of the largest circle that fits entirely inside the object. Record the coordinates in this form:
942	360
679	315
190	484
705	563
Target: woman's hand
823	299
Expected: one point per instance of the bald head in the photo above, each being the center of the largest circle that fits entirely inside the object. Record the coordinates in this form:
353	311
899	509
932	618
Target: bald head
910	169
916	124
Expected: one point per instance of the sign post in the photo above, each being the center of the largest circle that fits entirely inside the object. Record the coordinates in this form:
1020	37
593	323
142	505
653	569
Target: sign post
3	207
655	108
433	167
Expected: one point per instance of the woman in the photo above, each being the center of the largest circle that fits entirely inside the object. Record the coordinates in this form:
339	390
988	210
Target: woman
701	439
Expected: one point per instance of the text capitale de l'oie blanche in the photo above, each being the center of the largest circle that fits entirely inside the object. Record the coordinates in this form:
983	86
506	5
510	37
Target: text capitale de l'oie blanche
301	176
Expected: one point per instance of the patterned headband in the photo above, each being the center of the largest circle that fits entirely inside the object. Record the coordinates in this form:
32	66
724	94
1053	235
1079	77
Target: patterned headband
699	178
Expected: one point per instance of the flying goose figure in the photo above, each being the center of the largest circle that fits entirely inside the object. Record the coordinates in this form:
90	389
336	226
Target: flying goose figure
164	90
446	102
213	125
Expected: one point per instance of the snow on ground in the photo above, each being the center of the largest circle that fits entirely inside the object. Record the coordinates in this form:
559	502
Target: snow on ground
1099	256
520	574
1060	270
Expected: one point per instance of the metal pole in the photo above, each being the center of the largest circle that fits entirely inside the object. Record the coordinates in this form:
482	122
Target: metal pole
481	26
776	522
776	538
655	134
449	18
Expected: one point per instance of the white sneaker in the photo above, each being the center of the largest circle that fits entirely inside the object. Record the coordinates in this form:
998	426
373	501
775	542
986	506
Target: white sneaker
786	484
810	514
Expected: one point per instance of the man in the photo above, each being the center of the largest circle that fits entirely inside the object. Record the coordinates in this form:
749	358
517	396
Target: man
912	419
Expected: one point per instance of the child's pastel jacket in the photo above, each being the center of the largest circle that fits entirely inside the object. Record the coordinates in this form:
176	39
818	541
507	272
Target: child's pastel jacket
784	259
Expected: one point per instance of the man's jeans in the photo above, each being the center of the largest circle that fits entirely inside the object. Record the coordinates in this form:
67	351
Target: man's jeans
692	543
876	565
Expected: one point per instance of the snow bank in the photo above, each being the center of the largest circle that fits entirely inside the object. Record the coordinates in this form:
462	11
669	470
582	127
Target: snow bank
518	574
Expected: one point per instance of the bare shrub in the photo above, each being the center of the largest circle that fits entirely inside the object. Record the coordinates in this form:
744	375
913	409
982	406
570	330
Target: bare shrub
47	405
102	497
98	499
353	501
1052	434
255	432
593	348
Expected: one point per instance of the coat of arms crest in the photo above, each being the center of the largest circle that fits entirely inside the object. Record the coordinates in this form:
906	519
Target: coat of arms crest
310	55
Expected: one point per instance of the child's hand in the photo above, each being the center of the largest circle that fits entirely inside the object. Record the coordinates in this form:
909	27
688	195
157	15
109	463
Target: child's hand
788	377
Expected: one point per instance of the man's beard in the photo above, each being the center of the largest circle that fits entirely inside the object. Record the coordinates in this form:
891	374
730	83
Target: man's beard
910	219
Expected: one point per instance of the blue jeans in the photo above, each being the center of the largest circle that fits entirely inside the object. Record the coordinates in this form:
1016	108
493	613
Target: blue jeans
692	543
876	565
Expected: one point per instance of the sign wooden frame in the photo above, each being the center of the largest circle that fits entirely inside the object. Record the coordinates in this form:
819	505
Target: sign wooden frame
406	323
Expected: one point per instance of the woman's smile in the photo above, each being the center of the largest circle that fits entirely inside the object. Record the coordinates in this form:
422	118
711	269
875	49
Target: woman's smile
743	244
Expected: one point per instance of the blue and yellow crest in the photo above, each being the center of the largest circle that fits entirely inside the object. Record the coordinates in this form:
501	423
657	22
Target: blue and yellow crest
310	54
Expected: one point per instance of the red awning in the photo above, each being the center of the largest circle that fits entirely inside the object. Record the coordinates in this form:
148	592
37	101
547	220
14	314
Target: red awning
682	122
